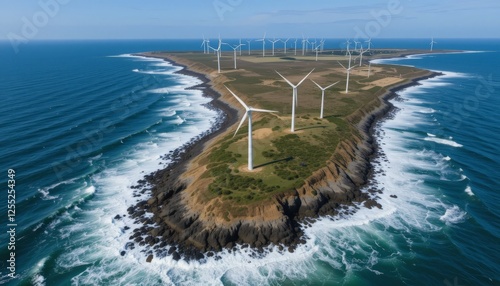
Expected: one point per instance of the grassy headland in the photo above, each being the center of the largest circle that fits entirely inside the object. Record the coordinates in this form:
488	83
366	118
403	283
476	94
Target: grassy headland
217	202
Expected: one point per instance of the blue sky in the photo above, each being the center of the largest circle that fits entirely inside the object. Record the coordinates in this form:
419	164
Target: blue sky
159	19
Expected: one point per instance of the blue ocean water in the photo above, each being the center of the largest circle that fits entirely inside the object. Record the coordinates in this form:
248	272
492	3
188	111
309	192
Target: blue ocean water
84	120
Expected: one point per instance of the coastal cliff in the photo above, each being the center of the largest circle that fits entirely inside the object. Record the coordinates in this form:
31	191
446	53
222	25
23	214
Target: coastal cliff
183	224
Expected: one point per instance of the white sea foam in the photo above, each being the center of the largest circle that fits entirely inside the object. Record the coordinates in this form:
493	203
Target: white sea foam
453	215
468	190
45	195
447	158
444	141
38	280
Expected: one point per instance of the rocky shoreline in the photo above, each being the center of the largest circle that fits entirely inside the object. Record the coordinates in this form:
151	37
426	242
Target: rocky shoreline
176	230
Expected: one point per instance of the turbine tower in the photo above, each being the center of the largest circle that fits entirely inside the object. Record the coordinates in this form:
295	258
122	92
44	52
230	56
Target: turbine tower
294	96
248	114
295	47
323	95
263	40
348	73
248	41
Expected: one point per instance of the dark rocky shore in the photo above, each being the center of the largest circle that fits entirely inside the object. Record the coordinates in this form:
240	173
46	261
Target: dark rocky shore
176	231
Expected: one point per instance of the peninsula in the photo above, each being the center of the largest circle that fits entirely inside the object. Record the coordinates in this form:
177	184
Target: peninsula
208	200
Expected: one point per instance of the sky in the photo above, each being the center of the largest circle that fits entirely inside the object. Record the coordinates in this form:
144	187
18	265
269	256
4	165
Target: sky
163	19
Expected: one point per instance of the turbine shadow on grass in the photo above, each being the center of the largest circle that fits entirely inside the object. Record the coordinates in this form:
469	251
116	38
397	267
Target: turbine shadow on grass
273	162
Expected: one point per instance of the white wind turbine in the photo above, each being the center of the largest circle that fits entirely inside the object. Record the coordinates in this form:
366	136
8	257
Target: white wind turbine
317	49
432	44
274	42
294	96
218	51
369	41
284	44
356	45
240	47
204	44
295	46
248	114
263	40
323	95
348	73
361	52
235	48
248	41
304	43
348	44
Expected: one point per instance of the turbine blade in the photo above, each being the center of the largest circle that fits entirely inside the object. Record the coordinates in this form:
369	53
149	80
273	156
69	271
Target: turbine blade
331	85
341	64
305	77
317	84
285	79
262	110
241	123
239	99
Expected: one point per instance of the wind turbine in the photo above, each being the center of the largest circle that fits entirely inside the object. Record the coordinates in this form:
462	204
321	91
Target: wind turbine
295	46
248	114
248	41
204	44
356	45
303	44
323	95
369	43
263	40
316	49
432	44
240	47
284	42
348	73
274	42
361	52
294	96
348	44
218	54
235	48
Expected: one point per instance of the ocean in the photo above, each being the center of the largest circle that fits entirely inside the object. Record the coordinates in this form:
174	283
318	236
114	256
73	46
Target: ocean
83	121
